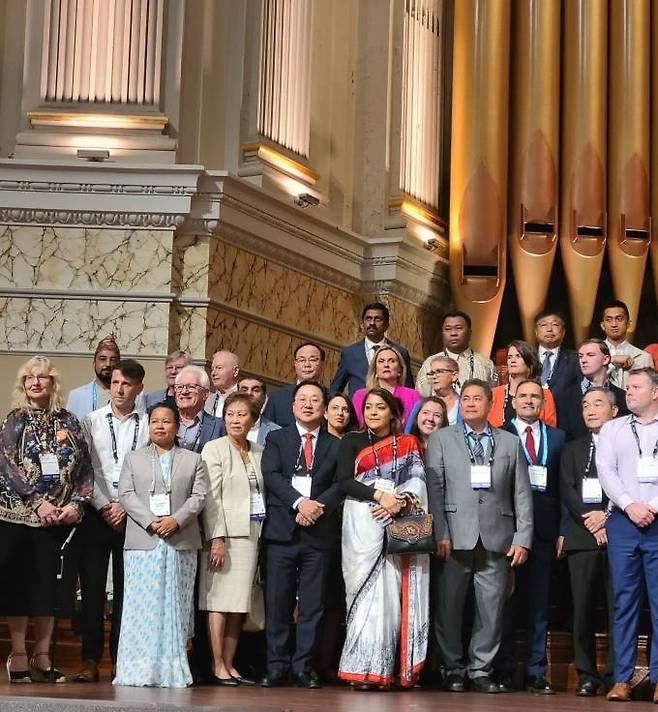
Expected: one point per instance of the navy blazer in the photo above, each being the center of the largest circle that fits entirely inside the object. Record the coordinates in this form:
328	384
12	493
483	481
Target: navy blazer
211	429
353	367
570	409
566	372
546	505
278	408
280	458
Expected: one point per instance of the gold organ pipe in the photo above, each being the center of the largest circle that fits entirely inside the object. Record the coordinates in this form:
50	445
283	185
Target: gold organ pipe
654	141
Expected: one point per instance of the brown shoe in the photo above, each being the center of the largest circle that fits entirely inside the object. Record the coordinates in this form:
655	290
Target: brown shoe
88	673
620	692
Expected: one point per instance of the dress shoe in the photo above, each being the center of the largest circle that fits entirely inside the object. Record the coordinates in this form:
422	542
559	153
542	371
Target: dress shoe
620	692
505	684
226	681
454	683
309	680
243	680
88	673
539	685
589	688
484	683
274	680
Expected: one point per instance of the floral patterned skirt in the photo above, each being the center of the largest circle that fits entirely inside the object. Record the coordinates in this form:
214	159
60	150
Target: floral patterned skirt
158	617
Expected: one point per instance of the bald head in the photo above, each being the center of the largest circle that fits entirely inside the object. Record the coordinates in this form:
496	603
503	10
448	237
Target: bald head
224	370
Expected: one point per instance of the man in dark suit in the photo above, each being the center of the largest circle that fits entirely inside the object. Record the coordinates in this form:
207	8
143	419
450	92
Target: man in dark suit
309	359
257	389
585	539
559	367
542	447
479	495
301	530
594	359
355	359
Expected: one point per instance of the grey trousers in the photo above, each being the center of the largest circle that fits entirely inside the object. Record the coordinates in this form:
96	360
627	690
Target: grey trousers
490	572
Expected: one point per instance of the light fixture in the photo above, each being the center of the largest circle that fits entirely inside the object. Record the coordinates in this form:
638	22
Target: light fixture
93	154
306	200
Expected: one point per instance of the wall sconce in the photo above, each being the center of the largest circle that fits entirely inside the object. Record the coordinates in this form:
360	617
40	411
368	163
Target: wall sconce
93	154
306	200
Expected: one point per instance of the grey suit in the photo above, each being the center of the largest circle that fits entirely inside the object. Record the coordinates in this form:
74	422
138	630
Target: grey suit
481	526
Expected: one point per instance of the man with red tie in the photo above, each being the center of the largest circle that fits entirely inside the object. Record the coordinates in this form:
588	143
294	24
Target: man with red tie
542	446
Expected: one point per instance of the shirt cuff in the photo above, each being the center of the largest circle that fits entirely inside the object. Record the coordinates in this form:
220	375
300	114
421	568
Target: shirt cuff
295	504
624	501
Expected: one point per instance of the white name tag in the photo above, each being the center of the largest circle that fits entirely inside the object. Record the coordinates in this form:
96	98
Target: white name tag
538	477
384	485
49	465
116	473
647	470
159	505
257	506
592	491
480	476
302	485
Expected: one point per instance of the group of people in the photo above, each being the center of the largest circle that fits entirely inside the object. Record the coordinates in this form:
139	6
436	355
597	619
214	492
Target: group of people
199	491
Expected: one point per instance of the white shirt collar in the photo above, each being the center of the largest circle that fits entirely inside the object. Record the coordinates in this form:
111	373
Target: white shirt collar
617	347
521	425
302	431
543	350
133	412
370	344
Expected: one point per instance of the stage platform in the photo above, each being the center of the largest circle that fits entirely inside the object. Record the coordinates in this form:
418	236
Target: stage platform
102	697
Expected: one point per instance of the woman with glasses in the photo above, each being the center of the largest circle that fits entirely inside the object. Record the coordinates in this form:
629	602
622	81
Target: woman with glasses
45	479
443	377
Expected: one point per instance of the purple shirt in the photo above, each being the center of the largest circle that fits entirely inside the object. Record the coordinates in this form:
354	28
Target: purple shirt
408	396
616	461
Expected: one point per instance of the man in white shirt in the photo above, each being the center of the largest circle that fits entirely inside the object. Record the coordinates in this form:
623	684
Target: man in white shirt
224	374
615	322
258	391
111	432
456	334
96	394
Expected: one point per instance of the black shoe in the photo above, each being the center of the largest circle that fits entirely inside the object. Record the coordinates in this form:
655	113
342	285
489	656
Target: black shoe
309	680
539	685
484	683
243	680
226	681
454	683
587	689
505	683
274	680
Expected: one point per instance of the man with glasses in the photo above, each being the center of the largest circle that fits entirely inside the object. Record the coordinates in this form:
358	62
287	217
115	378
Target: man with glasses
309	361
174	363
196	426
559	367
355	359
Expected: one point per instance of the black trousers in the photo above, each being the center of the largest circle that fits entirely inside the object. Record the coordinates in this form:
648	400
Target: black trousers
97	542
294	568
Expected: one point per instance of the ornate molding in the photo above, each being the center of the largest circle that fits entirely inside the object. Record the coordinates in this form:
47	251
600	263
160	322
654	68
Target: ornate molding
96	188
87	295
30	216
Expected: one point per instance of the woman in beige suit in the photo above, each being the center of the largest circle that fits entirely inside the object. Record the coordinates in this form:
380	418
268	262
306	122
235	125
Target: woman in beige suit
232	521
162	488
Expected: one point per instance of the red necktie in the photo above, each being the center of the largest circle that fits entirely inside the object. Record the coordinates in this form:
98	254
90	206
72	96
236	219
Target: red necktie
308	450
530	445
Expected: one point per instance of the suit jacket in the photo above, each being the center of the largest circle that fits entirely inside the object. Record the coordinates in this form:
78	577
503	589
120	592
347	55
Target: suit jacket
566	372
228	503
280	458
278	408
546	505
570	410
572	471
266	427
211	429
500	516
353	366
150	399
189	484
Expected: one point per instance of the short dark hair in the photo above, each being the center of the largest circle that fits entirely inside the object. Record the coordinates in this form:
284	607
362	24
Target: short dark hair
376	306
528	354
482	384
534	382
241	397
352	421
395	405
550	312
166	406
130	369
323	354
605	350
311	382
454	315
615	304
263	385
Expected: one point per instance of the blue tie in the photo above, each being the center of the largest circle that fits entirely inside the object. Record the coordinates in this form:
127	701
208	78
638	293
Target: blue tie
546	368
478	449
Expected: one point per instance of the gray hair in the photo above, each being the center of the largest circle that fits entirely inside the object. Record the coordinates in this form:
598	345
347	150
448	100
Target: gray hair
204	380
178	354
601	389
649	372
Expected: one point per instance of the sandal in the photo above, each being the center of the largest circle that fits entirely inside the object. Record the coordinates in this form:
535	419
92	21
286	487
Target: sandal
48	675
19	676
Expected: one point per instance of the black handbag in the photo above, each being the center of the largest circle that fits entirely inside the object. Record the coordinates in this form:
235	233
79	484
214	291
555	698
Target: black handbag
410	534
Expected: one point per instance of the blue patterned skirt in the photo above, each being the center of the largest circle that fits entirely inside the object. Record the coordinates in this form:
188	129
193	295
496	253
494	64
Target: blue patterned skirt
157	618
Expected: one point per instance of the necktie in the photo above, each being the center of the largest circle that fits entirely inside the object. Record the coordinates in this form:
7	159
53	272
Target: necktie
530	445
585	385
478	449
546	368
308	451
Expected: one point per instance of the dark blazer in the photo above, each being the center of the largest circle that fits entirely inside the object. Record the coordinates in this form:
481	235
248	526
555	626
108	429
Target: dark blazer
278	408
566	372
546	505
570	411
280	458
353	366
211	429
572	471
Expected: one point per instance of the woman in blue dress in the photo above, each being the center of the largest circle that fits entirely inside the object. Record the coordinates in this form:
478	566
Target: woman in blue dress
162	488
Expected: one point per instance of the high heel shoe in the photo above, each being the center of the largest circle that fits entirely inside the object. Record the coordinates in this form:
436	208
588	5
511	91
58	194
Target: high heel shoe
40	675
19	676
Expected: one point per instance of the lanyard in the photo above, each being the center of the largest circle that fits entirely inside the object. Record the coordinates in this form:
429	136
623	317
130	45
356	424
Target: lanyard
492	447
94	396
42	437
543	445
191	445
637	440
471	362
251	474
154	457
115	453
378	469
590	458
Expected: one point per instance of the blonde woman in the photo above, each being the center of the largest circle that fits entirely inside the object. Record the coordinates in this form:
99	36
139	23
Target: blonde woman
45	478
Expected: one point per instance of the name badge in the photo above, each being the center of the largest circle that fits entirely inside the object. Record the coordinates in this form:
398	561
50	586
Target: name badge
116	473
384	485
302	485
49	466
480	476
538	477
257	506
647	470
592	491
159	504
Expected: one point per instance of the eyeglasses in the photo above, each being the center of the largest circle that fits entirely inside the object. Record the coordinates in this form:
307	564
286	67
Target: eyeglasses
440	371
183	387
313	360
39	379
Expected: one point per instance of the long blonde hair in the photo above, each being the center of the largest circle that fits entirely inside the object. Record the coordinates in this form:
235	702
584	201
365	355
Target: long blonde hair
371	378
20	399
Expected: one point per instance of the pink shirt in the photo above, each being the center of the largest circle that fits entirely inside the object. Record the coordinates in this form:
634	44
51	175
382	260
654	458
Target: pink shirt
408	396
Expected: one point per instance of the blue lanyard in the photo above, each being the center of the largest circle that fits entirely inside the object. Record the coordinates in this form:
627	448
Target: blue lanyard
543	444
94	396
